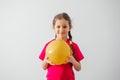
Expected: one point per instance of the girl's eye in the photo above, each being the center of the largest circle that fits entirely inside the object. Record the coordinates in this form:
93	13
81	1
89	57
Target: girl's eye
64	26
58	26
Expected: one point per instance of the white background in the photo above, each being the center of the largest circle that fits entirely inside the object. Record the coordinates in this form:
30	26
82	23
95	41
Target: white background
26	25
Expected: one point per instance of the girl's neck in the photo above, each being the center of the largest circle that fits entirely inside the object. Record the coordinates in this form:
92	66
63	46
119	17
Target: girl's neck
65	39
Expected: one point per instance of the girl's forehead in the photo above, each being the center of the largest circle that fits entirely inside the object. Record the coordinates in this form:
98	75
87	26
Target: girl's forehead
61	21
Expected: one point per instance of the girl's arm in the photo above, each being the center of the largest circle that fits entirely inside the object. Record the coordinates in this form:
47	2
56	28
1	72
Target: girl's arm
45	64
76	64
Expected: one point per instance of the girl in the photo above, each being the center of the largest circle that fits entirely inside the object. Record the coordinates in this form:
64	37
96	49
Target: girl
62	26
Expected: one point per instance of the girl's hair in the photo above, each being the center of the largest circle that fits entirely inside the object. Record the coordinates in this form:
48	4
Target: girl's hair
66	17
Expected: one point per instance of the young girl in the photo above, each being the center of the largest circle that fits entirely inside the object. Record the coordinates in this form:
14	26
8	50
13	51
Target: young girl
62	26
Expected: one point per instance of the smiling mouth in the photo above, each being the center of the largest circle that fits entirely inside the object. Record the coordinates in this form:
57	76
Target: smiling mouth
62	33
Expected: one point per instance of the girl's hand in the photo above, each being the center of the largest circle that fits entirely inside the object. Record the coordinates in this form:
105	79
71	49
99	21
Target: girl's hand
71	59
46	63
46	59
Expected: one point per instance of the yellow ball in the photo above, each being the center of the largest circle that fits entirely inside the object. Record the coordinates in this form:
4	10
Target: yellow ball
57	52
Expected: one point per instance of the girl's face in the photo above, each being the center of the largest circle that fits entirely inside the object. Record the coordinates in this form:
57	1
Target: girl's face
61	28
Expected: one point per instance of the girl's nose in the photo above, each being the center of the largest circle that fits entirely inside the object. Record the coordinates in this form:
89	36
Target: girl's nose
61	29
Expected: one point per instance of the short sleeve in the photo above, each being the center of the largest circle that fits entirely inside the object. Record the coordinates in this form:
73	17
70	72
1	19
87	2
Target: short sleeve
42	54
77	52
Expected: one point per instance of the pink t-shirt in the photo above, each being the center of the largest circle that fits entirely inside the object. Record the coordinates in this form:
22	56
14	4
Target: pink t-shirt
64	71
